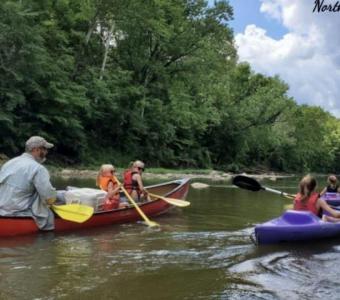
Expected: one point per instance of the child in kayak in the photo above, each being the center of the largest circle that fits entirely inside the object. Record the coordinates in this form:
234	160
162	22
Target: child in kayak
107	182
308	199
332	187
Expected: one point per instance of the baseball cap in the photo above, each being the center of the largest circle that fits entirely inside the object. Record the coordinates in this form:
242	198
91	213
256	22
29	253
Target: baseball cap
37	142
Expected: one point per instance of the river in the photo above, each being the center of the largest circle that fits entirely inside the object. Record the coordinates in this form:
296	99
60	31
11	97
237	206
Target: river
199	252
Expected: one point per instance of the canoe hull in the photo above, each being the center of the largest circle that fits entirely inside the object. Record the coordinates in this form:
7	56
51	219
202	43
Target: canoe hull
178	189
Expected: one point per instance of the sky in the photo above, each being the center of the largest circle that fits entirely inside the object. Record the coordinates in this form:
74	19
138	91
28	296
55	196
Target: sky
286	38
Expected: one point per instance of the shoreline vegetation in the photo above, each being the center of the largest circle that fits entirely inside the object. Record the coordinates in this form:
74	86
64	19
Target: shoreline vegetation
164	174
167	174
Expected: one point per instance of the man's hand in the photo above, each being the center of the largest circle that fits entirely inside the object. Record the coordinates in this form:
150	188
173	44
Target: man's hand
50	201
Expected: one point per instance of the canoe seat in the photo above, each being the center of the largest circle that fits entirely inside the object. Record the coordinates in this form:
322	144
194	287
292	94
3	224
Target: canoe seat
299	217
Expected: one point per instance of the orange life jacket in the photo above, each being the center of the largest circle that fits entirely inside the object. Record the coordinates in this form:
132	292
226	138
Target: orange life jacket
129	183
104	182
109	202
309	204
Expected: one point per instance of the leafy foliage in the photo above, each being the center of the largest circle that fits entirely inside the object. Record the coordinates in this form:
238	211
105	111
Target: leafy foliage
114	80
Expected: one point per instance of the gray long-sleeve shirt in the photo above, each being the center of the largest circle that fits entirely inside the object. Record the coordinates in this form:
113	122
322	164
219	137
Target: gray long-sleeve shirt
24	188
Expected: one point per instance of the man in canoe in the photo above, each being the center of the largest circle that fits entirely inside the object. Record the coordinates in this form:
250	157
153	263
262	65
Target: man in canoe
25	187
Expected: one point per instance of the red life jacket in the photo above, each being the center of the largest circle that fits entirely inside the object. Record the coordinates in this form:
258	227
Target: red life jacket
129	183
309	204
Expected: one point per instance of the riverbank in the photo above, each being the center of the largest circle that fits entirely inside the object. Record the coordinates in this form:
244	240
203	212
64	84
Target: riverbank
161	173
169	174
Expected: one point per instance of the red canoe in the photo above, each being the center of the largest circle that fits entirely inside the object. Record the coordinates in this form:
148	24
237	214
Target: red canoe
178	189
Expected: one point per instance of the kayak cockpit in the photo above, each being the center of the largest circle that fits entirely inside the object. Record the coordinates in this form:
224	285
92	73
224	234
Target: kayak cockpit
298	217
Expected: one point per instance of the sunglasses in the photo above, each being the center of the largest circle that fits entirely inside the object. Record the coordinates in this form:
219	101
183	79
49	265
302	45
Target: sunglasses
141	169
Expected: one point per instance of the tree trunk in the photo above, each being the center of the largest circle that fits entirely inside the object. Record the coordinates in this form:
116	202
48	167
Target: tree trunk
106	52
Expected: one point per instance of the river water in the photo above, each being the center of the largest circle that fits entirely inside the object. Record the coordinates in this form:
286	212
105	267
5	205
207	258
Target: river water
199	252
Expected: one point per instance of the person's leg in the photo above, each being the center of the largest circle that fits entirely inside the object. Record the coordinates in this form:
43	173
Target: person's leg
135	196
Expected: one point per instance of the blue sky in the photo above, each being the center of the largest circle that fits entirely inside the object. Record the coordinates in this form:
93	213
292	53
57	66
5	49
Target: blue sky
286	38
248	12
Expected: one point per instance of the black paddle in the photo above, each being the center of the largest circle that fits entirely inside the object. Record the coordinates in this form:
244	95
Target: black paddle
247	183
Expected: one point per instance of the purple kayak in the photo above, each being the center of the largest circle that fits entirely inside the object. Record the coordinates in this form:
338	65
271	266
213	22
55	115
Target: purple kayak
332	198
295	226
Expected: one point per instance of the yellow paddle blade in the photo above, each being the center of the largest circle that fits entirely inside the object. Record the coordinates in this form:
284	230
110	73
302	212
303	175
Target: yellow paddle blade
74	212
288	206
176	202
151	223
173	201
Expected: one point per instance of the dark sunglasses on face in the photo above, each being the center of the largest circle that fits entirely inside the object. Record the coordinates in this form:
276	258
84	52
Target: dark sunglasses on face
141	169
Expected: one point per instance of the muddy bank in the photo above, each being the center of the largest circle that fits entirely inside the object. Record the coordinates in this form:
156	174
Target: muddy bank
213	175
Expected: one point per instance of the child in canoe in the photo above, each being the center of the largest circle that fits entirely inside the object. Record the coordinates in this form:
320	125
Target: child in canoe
107	182
133	182
332	187
308	199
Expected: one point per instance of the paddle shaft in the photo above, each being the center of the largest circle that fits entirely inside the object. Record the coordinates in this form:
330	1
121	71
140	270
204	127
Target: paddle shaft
146	219
278	192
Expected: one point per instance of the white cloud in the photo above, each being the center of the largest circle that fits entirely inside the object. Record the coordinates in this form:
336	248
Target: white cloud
307	58
272	8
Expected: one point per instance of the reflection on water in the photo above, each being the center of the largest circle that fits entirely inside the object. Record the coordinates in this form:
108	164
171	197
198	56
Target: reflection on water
200	252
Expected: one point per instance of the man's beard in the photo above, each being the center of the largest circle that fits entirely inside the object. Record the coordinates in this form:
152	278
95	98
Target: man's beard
41	158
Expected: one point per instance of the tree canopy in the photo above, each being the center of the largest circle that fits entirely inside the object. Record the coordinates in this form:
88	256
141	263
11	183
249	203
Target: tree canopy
113	80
